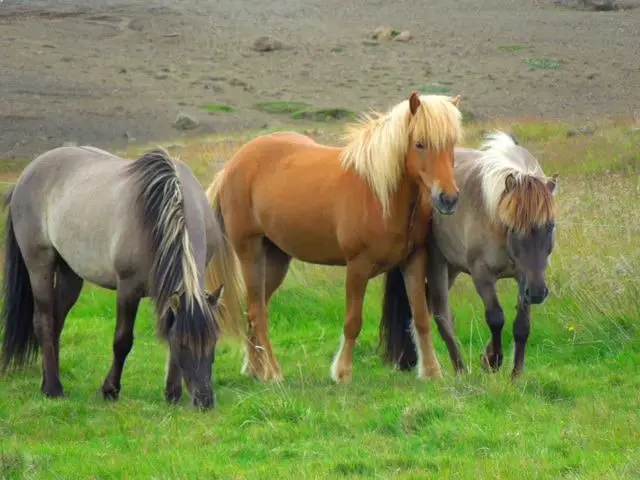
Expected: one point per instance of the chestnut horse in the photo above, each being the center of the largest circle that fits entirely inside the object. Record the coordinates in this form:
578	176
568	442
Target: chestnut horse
503	228
364	206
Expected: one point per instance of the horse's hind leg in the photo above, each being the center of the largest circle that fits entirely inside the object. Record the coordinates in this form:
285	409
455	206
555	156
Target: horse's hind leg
67	290
41	266
128	299
276	268
260	359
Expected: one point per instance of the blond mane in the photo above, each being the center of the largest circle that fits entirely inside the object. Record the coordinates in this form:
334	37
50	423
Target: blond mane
377	145
530	203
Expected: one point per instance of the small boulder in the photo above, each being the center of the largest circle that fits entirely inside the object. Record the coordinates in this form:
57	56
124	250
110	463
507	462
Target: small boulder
383	33
185	122
403	36
267	43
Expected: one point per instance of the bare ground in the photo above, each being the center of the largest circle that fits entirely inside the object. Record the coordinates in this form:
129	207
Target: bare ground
111	72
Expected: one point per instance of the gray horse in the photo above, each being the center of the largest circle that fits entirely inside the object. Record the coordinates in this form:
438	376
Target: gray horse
503	228
142	228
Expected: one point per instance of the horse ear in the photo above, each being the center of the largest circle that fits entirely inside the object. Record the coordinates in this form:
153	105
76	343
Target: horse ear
414	103
456	100
214	297
552	183
510	182
175	303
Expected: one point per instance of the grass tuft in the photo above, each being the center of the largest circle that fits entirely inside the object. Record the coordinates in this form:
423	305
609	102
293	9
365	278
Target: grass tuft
543	63
216	108
281	107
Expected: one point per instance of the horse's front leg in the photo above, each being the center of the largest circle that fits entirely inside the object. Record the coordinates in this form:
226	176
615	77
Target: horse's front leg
521	329
486	288
173	382
128	299
356	286
414	276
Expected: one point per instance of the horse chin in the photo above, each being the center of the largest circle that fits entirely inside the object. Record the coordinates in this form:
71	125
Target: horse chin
443	211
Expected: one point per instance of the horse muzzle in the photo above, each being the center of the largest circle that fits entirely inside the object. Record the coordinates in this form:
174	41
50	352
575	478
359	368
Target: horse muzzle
446	203
536	295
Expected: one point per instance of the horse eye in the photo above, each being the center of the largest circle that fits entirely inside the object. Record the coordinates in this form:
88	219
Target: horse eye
550	227
420	146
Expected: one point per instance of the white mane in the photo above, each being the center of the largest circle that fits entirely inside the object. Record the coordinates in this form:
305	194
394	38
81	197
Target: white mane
502	156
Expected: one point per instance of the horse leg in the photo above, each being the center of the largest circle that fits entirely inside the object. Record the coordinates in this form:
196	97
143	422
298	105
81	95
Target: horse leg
128	299
260	360
68	286
173	382
437	292
414	275
356	286
521	329
41	267
486	288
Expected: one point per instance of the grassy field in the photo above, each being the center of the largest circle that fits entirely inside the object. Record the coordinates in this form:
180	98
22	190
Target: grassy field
575	413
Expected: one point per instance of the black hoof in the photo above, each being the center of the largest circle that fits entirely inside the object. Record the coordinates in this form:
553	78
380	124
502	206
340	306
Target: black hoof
173	396
111	393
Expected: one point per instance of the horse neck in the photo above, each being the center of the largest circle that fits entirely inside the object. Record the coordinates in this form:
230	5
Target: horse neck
409	207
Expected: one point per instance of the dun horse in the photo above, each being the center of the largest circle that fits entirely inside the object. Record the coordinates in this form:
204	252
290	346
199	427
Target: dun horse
142	228
503	228
284	196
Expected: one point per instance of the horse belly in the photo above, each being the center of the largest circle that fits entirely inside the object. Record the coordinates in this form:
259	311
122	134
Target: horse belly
303	231
84	238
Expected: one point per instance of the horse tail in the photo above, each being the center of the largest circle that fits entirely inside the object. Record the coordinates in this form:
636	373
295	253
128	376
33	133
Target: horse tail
180	303
225	267
396	337
19	344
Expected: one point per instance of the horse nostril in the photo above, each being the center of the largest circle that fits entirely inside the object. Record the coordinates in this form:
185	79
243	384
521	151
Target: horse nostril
527	292
545	292
447	200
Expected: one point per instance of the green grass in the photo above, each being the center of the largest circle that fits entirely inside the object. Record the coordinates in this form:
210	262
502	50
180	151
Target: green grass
512	48
435	89
543	63
575	413
323	114
216	108
281	107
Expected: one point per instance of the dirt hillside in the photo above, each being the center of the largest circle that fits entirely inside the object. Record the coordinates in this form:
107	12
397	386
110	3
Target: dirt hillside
111	72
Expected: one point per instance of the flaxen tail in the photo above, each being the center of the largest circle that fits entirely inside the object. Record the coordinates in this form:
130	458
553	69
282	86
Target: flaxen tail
19	344
225	268
396	339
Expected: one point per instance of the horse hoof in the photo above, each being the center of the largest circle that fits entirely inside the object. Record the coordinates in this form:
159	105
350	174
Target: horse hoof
110	393
430	374
342	376
173	396
53	392
491	363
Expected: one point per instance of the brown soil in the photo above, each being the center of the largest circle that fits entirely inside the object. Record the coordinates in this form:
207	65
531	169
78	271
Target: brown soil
109	72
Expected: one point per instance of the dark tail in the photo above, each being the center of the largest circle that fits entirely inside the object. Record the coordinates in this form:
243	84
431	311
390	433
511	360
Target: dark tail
19	344
395	326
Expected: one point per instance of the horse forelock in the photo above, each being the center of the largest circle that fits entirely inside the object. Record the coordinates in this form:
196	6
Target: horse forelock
174	269
530	202
377	145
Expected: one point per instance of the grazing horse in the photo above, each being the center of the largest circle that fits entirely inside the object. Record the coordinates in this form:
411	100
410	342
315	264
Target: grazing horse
142	228
284	196
503	228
